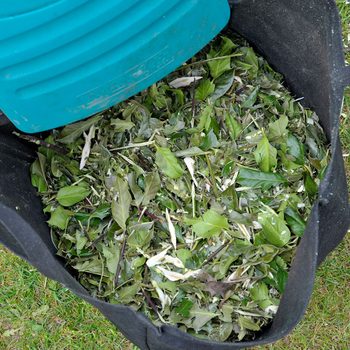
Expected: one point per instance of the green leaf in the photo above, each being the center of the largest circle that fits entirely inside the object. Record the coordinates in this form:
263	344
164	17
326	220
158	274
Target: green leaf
73	131
227	311
39	182
81	241
228	168
55	166
101	212
127	294
204	90
313	147
70	195
244	67
219	66
225	331
296	149
121	125
279	274
135	189
111	254
274	228
295	221
282	277
233	126
285	160
190	152
141	235
121	202
211	224
167	163
226	46
251	99
266	155
248	323
222	85
201	317
251	58
184	307
209	141
93	266
184	255
158	96
260	294
38	176
205	118
230	198
60	218
278	130
152	186
138	262
310	185
166	202
257	179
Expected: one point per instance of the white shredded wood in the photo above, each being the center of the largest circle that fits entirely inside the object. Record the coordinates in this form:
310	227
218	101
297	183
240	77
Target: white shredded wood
176	276
157	259
183	82
190	162
171	228
87	147
168	259
163	259
163	297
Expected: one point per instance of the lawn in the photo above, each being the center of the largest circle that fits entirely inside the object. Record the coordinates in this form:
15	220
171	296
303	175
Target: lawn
37	313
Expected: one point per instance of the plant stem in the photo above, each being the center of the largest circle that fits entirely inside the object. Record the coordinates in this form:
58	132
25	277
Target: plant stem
212	176
149	301
194	99
150	215
215	253
32	139
133	145
121	257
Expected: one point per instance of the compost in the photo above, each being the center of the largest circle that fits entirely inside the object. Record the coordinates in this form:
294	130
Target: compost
187	202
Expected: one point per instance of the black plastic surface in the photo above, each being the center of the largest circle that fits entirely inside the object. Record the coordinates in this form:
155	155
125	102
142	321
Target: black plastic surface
302	40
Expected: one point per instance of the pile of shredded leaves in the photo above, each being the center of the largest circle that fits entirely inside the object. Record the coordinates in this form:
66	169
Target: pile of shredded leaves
187	202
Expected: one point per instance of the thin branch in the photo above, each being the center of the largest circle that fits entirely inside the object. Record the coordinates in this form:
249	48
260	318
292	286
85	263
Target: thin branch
215	253
133	145
209	60
212	176
148	298
194	99
150	215
150	302
121	257
98	239
39	142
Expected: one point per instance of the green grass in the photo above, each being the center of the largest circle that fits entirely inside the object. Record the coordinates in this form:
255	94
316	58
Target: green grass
39	314
345	15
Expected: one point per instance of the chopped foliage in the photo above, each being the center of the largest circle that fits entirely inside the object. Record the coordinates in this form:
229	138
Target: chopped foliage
188	201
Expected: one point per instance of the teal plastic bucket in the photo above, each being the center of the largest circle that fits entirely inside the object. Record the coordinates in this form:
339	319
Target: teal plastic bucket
64	60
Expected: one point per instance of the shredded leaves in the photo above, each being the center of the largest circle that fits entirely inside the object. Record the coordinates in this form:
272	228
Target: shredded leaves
187	202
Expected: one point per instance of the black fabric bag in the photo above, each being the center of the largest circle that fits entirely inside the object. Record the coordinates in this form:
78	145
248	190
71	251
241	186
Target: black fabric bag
302	40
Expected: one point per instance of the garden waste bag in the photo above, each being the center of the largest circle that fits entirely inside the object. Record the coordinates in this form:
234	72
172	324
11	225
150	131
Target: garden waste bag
300	39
